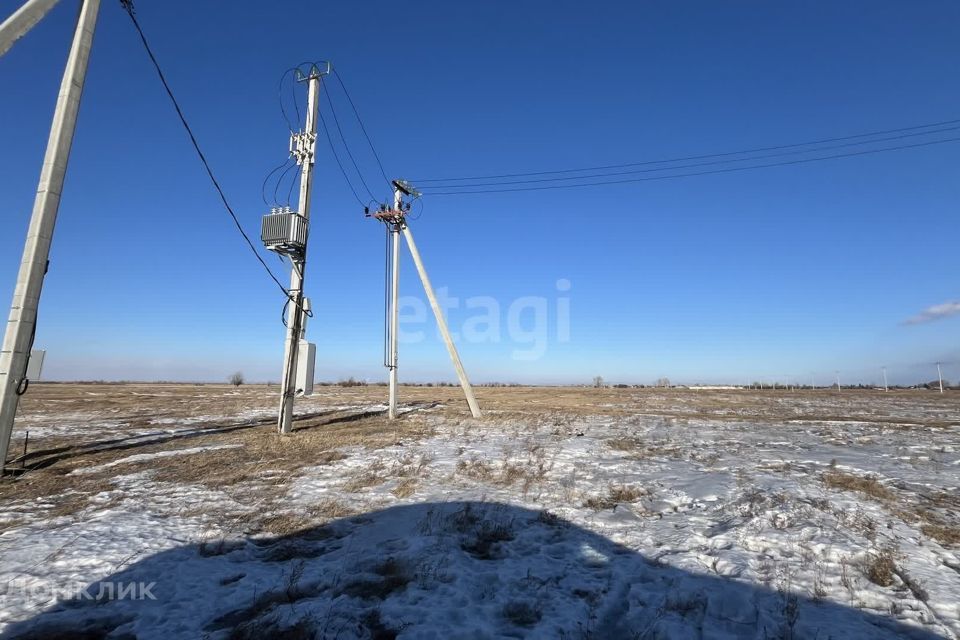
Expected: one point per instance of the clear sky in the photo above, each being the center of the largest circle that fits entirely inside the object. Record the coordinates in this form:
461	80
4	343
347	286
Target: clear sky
795	271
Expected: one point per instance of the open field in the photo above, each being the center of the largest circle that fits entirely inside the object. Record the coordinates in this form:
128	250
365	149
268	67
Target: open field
565	512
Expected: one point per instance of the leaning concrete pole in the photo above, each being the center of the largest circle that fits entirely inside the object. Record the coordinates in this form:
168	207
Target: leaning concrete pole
21	21
442	324
305	146
33	267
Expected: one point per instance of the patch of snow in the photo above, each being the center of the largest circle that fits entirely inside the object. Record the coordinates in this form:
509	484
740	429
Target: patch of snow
146	457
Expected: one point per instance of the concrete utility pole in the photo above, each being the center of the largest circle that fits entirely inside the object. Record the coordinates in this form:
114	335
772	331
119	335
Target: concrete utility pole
394	325
396	220
940	377
838	381
21	21
303	147
885	388
36	251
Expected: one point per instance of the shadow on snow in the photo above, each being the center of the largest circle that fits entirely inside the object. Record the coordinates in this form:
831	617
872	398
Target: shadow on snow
441	570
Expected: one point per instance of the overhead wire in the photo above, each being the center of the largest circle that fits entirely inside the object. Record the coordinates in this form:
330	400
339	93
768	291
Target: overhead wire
689	174
336	157
290	126
263	186
700	164
418	200
363	128
283	175
343	139
293	183
293	93
283	109
695	157
128	7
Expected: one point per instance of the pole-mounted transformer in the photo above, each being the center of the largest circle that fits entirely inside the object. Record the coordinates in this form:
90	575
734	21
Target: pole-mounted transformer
284	231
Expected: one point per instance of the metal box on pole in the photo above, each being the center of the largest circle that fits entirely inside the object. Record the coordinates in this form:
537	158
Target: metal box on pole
306	363
35	364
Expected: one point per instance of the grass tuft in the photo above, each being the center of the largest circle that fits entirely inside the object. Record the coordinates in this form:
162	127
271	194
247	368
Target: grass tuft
868	485
881	566
621	494
522	614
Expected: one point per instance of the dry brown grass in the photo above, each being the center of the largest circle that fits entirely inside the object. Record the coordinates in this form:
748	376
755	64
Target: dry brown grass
265	463
881	566
867	485
625	444
522	614
474	468
387	577
511	473
365	478
406	487
638	449
329	509
259	469
618	494
944	534
291	521
140	403
284	523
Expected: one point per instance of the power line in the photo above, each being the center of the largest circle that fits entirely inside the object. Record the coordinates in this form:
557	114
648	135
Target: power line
699	164
362	128
695	157
293	95
343	139
276	187
695	173
283	109
263	185
128	6
293	183
336	157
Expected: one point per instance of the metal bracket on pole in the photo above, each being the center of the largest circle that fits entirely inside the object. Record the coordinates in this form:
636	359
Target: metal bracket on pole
316	70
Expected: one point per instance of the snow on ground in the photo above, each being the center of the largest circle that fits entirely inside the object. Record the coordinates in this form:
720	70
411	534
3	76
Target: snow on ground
146	410
143	457
546	524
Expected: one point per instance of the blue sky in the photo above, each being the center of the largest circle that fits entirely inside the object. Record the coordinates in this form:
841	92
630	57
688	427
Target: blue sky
792	271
